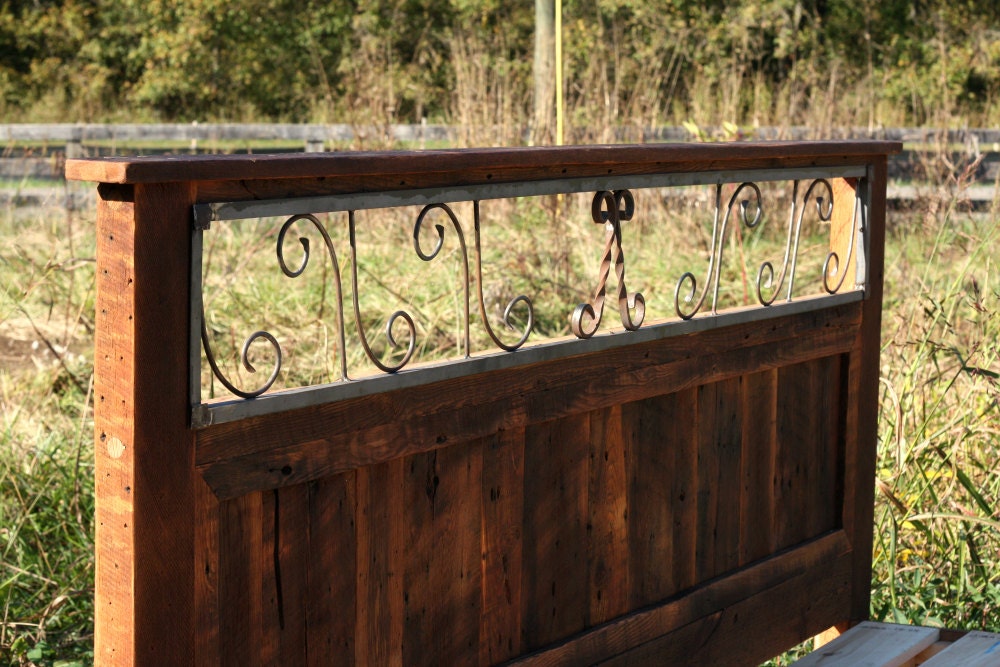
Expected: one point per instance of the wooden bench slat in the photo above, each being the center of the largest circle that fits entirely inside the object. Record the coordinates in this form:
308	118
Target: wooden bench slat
872	645
976	649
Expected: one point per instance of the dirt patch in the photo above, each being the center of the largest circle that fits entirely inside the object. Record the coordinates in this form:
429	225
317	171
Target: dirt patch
24	348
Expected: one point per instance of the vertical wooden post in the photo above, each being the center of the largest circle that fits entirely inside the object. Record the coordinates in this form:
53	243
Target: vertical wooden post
862	418
144	450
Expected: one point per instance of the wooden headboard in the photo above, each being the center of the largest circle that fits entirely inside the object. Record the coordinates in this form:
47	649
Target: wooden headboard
690	491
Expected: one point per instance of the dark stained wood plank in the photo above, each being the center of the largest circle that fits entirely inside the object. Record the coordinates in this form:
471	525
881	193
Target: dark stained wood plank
554	594
332	567
277	450
414	168
814	559
719	482
753	629
607	525
378	636
794	472
443	576
641	371
503	518
207	648
242	565
827	501
759	436
862	438
684	492
290	566
807	499
649	472
663	510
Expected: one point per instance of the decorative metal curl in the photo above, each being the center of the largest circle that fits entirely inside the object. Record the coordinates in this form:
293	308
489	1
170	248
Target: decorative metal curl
244	358
510	305
264	335
437	248
410	326
607	209
765	276
716	250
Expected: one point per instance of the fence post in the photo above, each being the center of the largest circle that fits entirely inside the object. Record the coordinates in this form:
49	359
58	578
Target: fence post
74	145
144	451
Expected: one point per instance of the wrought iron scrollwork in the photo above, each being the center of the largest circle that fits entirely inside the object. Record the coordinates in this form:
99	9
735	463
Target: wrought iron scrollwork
266	336
715	252
820	192
610	209
390	323
522	299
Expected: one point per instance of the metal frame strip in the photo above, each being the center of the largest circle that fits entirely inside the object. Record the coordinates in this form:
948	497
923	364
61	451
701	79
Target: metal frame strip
207	414
205	214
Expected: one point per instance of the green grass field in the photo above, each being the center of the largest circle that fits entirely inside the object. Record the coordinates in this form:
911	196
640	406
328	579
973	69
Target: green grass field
937	532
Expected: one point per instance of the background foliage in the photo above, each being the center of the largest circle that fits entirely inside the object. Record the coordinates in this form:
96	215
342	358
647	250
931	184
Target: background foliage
892	62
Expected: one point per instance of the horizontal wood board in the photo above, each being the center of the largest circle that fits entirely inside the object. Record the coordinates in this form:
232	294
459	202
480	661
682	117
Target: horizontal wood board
873	645
396	169
975	649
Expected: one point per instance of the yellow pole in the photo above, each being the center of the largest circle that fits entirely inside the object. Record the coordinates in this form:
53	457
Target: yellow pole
559	75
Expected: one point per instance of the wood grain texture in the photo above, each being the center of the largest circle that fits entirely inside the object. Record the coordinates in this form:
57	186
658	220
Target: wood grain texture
822	561
291	572
114	419
607	523
332	570
554	592
207	643
875	645
145	577
442	578
242	562
757	464
976	649
704	499
378	636
458	166
502	531
752	629
862	383
719	447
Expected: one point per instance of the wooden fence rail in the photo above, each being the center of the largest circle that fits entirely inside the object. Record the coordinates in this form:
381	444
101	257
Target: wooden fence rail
986	138
689	489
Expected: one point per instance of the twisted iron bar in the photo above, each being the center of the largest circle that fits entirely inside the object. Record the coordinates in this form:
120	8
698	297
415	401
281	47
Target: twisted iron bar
765	276
510	305
716	250
607	209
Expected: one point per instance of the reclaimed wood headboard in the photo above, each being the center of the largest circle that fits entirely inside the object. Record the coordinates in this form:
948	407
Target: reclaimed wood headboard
697	490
